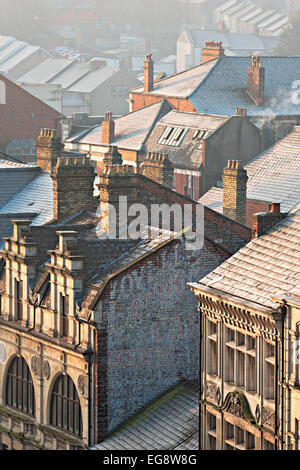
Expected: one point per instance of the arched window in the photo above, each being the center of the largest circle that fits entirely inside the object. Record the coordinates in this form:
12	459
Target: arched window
65	411
19	387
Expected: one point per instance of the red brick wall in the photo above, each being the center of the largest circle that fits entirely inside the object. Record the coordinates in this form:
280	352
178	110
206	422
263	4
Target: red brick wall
23	115
252	207
141	100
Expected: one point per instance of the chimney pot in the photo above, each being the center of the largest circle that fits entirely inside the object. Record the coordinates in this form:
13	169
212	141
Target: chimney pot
212	50
148	73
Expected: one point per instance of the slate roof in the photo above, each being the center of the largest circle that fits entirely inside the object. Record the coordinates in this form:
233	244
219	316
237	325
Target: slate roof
273	176
189	154
35	198
14	177
171	423
268	266
131	130
182	84
220	86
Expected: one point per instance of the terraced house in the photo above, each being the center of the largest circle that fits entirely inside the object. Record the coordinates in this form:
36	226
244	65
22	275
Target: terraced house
92	329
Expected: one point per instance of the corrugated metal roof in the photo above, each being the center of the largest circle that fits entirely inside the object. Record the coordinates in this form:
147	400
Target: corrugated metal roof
92	80
46	71
169	423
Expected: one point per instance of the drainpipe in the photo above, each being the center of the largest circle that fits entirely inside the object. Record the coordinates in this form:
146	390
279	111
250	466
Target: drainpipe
276	389
283	312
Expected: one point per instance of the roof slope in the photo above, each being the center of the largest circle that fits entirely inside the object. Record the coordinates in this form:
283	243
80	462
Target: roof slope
267	266
35	198
168	424
182	84
188	154
131	130
274	176
225	88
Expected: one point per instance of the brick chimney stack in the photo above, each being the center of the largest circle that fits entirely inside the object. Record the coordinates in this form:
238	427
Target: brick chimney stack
73	187
112	157
48	149
148	73
235	191
256	81
212	50
262	221
108	129
116	183
158	167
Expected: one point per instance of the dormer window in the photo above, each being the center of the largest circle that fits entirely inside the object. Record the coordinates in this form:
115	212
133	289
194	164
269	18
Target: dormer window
172	136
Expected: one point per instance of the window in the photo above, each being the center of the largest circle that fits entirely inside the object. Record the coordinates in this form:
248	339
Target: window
172	136
18	300
267	445
19	387
240	359
237	438
65	411
269	370
64	311
211	431
212	356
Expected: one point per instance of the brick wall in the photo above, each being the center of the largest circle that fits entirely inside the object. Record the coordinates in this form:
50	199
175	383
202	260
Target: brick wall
152	325
142	100
23	115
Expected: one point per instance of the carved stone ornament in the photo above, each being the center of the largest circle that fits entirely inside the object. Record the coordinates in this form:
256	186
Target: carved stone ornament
2	353
257	413
268	418
211	391
81	383
46	369
237	404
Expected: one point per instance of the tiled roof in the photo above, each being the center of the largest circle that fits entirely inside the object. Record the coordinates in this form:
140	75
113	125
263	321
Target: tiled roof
274	176
220	86
171	423
268	266
225	87
182	84
131	129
